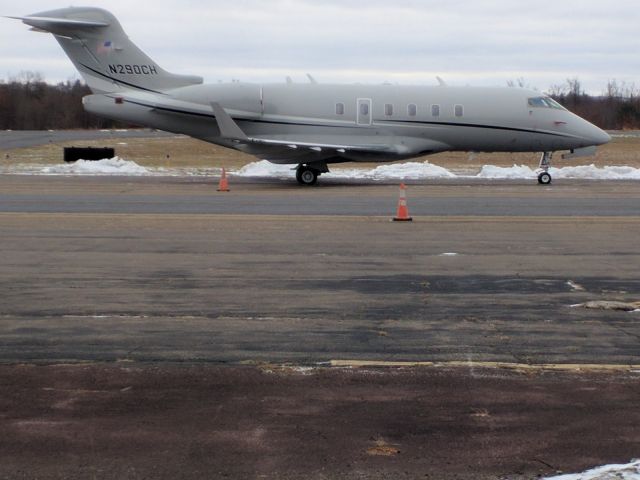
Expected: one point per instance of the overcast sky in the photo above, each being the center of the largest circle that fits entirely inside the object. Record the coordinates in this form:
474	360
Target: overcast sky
466	42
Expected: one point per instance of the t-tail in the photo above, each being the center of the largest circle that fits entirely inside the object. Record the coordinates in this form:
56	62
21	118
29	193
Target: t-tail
103	54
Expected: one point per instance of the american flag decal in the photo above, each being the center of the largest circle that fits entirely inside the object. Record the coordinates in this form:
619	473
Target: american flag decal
105	47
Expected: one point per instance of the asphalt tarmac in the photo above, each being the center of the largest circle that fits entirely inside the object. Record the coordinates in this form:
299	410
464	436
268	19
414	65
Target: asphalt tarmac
89	265
195	196
148	274
10	139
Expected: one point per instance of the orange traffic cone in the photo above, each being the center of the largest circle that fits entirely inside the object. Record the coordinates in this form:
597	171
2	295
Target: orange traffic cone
403	210
223	186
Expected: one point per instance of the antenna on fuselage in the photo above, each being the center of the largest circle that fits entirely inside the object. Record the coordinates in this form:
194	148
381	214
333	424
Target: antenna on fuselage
441	82
289	81
311	79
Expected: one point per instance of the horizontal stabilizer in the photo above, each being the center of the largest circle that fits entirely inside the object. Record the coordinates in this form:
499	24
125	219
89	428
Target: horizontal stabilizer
51	23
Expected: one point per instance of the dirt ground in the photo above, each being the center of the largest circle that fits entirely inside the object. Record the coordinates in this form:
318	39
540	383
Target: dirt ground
181	151
191	422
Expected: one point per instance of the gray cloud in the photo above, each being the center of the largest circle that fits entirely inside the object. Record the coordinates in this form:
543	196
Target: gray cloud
408	41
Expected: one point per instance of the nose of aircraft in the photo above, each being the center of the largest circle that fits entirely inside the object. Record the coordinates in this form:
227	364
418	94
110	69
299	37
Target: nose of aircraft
595	135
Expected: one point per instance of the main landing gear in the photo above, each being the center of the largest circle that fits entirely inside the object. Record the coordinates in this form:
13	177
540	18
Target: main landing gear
544	177
308	174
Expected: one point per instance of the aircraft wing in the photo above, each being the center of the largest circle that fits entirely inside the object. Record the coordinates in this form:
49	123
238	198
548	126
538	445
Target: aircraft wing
230	130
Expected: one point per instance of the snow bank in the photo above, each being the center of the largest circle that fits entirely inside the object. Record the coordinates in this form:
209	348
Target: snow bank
426	170
399	171
629	134
265	169
111	166
586	172
515	172
411	171
630	471
599	173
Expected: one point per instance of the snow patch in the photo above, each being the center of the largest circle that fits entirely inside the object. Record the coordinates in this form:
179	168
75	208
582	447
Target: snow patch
304	370
610	305
600	173
630	471
633	134
264	168
111	166
575	286
585	172
515	172
410	170
448	254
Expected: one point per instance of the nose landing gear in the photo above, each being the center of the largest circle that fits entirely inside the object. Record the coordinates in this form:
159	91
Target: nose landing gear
544	177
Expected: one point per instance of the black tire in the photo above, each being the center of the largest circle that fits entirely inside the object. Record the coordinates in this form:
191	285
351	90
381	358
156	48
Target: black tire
306	176
544	178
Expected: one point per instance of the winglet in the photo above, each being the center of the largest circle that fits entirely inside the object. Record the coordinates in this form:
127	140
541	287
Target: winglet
228	128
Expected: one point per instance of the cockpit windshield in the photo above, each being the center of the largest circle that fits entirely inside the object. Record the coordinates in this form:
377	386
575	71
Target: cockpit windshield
545	102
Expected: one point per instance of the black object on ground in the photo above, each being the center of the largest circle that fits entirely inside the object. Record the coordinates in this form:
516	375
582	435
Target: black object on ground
72	154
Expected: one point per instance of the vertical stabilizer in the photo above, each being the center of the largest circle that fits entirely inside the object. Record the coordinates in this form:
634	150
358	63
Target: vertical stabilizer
103	54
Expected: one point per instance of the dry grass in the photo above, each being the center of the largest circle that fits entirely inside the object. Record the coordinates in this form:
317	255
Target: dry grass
178	151
181	151
382	449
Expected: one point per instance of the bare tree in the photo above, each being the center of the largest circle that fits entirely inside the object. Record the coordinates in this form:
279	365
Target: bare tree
27	102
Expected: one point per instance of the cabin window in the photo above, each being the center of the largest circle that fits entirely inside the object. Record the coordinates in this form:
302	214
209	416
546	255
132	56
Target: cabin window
435	110
458	110
388	109
412	110
339	108
364	109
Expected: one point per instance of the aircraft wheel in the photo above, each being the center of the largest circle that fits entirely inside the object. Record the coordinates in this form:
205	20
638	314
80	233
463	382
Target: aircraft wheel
306	176
544	178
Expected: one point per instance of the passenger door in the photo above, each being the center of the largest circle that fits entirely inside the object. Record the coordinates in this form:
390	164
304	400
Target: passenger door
364	116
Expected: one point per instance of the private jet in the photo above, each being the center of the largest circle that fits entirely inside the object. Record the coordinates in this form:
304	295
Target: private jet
310	125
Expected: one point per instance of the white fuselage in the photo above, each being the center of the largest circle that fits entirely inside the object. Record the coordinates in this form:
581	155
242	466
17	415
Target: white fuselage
419	120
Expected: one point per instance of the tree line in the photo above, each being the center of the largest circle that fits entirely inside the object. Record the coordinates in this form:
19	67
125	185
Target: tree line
27	102
618	108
